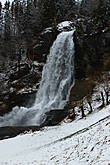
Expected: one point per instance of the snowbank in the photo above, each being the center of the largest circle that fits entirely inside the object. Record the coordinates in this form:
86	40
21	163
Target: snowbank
85	141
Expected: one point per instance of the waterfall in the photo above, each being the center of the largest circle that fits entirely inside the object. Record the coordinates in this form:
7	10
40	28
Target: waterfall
53	93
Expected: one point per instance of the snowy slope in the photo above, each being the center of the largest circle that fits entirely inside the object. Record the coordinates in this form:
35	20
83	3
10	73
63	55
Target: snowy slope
85	141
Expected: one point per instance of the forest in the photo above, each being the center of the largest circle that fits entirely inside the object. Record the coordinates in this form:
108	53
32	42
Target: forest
22	21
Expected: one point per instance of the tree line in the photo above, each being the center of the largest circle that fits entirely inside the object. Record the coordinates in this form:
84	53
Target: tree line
22	20
29	17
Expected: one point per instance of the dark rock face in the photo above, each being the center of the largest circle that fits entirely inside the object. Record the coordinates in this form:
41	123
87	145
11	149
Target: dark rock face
20	84
92	49
81	89
19	87
19	74
54	117
44	42
10	132
87	7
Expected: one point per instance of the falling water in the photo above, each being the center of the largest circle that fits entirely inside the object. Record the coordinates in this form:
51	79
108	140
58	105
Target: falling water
53	93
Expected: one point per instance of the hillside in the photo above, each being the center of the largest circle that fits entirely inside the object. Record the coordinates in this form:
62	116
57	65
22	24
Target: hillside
85	141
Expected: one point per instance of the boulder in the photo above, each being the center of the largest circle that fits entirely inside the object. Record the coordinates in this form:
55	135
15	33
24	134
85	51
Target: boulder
54	117
3	107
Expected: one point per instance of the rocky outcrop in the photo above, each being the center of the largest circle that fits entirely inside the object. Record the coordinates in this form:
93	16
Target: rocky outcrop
92	53
88	7
19	87
54	117
10	132
45	40
92	50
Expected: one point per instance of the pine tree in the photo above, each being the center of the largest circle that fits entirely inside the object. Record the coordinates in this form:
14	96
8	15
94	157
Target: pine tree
0	8
47	12
1	20
66	10
102	13
7	21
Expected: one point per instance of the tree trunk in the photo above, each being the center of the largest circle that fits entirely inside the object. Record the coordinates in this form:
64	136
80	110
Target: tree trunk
90	107
74	114
82	111
103	102
107	95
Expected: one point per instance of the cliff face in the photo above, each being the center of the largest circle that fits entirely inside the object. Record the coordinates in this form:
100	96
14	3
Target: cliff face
87	7
19	85
92	56
92	50
92	37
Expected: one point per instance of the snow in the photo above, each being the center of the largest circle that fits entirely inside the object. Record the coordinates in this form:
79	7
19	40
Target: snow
85	141
65	24
47	30
3	1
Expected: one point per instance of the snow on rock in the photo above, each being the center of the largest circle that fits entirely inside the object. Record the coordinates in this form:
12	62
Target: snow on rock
85	141
65	25
47	30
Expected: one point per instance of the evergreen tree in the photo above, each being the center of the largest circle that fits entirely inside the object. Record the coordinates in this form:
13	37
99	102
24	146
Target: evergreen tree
47	11
66	10
1	20
102	14
0	8
7	21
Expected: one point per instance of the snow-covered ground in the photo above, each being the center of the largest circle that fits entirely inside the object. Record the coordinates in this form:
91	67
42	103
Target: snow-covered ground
66	24
85	141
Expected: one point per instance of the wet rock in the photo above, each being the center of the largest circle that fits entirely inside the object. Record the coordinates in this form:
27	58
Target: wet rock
24	70
3	106
24	99
54	117
82	89
19	87
10	132
91	50
40	51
